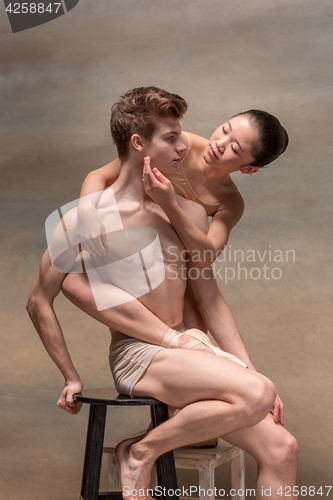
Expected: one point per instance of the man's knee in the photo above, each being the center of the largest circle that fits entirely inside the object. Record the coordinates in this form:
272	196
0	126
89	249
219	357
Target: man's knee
289	451
283	454
261	397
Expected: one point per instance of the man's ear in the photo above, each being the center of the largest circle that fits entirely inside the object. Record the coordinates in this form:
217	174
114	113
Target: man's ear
250	169
137	142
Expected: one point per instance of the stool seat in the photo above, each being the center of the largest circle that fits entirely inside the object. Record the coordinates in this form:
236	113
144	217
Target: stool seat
99	400
110	397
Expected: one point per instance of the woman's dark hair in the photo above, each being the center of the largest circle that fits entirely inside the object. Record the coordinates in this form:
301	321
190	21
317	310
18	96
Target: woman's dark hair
272	137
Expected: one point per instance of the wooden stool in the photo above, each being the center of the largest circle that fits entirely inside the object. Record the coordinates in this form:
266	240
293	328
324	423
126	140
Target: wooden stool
99	400
205	460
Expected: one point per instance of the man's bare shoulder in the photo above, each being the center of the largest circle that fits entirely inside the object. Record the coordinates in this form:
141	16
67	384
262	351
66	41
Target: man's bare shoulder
195	212
62	249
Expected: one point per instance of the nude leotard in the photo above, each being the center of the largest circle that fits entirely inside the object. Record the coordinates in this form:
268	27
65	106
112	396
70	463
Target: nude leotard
183	187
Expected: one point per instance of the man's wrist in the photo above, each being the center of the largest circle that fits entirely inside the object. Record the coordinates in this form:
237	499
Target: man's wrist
72	377
69	381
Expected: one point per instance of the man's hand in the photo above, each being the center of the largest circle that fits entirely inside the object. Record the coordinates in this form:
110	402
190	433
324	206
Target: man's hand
66	401
278	411
157	186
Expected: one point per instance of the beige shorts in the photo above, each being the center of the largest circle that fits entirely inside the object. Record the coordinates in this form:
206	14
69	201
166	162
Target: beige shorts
129	359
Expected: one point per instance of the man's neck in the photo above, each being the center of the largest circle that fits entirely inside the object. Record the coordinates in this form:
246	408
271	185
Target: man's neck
129	182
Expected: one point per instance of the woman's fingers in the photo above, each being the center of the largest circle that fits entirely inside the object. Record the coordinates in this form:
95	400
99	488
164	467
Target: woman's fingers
278	411
158	175
147	171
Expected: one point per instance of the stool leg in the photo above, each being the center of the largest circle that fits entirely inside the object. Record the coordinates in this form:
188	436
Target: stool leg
165	464
238	475
93	454
114	473
206	480
203	480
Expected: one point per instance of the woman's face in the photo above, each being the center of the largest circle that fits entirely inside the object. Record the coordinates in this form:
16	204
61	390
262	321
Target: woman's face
230	147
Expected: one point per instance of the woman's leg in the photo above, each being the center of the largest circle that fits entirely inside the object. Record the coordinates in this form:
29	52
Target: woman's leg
276	453
215	395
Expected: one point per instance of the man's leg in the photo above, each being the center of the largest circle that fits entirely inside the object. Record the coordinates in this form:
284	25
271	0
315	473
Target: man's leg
216	397
276	453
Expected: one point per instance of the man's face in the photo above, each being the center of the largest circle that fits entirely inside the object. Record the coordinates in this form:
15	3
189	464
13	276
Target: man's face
166	147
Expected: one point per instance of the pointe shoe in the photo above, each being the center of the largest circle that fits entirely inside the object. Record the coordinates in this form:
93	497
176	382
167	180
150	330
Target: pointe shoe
202	338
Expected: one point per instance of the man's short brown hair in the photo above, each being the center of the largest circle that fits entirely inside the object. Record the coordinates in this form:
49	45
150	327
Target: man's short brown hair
137	112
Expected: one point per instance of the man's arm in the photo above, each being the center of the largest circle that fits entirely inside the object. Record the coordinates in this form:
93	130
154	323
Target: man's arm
90	229
46	286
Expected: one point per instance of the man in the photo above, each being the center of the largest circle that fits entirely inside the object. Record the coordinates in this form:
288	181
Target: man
215	395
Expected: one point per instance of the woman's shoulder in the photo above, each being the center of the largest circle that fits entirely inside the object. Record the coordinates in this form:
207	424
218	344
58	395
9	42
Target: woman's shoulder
195	146
233	203
194	140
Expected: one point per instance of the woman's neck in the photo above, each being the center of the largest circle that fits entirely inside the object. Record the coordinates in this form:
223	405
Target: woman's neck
208	172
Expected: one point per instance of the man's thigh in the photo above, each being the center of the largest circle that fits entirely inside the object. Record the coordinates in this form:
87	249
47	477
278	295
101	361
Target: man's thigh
180	377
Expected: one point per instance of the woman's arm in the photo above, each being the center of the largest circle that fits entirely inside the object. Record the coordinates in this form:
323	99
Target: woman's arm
90	229
217	315
203	248
99	179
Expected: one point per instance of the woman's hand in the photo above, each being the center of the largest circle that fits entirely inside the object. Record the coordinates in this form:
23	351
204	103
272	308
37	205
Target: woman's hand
278	411
90	231
157	186
278	407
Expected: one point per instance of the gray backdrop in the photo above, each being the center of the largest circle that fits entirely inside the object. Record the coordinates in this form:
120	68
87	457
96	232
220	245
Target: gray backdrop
57	85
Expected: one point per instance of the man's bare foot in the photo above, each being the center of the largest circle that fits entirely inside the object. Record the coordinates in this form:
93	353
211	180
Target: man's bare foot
135	472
